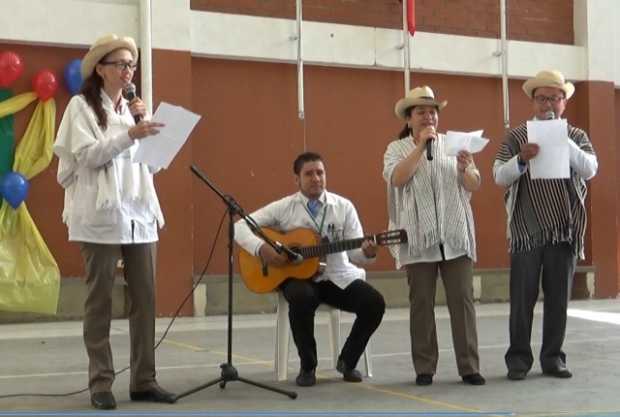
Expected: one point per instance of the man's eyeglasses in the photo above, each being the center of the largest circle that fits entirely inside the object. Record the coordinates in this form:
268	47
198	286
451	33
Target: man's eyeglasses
545	99
120	65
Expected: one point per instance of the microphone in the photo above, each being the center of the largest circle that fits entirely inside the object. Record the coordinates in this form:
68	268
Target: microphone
550	115
429	154
130	94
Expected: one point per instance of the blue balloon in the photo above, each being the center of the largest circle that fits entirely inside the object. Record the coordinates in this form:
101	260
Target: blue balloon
14	188
73	76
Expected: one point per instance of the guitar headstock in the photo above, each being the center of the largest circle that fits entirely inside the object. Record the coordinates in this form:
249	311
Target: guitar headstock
391	237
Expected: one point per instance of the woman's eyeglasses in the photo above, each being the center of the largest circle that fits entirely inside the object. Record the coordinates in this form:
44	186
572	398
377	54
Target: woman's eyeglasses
121	65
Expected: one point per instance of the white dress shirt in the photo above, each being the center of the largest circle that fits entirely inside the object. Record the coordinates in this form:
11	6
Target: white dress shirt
339	221
134	220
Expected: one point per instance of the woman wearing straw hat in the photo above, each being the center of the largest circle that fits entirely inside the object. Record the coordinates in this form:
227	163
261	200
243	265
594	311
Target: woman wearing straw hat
431	200
112	211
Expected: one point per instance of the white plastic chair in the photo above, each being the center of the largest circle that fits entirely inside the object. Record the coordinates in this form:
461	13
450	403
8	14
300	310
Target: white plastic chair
283	336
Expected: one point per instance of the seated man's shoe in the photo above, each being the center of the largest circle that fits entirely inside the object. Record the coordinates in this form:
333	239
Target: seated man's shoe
424	379
559	372
516	375
306	378
155	394
474	379
103	400
348	374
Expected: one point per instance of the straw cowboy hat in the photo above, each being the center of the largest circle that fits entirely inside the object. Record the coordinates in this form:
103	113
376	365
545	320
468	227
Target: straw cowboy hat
419	96
104	46
548	78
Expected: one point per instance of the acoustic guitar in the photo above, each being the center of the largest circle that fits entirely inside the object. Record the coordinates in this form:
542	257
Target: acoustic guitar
260	277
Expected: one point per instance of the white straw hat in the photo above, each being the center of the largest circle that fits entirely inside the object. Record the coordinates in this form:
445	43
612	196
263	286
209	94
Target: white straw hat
419	96
104	46
548	78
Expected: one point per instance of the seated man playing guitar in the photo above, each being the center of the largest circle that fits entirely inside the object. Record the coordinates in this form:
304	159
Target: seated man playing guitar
341	284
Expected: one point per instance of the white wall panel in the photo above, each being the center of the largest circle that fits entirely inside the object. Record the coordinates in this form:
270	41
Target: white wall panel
175	26
239	36
171	28
65	22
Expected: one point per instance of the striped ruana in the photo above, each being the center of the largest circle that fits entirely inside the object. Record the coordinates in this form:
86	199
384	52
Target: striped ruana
433	207
544	211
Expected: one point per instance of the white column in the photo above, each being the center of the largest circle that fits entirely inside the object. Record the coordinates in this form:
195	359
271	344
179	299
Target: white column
146	58
595	25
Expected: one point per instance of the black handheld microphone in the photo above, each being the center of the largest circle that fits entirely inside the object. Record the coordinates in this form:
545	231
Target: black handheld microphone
130	94
429	153
550	115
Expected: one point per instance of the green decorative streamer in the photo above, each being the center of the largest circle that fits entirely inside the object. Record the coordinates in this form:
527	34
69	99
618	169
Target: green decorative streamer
7	137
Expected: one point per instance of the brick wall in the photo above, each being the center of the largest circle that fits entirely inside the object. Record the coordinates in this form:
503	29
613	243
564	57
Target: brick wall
529	20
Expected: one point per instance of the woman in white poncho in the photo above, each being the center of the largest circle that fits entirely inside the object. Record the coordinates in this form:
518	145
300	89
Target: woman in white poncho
428	196
112	212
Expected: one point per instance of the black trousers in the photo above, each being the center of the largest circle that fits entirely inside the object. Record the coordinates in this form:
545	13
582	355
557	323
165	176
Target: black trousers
557	263
359	297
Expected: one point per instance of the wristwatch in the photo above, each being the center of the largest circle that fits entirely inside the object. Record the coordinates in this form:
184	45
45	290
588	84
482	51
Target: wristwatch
520	161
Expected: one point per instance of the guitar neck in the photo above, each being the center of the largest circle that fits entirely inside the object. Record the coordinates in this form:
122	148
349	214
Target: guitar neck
332	247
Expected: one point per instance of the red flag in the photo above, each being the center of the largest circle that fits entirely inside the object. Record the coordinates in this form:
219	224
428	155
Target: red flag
410	16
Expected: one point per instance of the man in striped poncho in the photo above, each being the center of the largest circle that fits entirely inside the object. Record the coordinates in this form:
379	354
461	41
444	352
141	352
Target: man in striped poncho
546	227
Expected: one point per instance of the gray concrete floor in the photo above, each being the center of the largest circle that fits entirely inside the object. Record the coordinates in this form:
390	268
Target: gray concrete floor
49	358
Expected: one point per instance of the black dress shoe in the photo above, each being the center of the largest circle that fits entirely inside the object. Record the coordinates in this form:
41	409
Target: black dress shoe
516	375
560	372
306	378
474	379
103	400
155	394
348	374
424	379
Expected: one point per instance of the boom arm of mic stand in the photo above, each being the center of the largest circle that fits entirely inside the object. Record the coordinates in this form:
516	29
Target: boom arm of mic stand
235	208
277	246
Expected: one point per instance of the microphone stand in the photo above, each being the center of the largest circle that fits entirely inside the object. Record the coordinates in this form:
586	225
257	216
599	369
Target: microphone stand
229	372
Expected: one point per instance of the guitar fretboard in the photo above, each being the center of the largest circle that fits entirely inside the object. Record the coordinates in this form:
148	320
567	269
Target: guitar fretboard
331	247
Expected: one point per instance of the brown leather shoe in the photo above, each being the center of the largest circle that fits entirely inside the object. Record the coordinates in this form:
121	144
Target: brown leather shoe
155	394
103	400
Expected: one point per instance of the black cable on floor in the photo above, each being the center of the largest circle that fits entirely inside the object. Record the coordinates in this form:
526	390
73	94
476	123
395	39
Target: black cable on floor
161	339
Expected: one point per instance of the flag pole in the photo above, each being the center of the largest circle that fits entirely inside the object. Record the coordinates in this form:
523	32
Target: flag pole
406	60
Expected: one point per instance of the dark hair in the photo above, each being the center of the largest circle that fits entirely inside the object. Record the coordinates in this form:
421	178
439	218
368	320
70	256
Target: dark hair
91	90
406	130
303	158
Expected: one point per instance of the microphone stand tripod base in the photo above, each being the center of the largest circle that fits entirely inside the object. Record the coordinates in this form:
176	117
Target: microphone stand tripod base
229	373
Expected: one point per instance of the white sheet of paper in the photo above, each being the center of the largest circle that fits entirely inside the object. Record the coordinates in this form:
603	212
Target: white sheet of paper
159	150
552	160
472	142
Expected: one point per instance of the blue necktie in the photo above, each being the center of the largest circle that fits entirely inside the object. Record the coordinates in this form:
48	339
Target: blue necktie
314	206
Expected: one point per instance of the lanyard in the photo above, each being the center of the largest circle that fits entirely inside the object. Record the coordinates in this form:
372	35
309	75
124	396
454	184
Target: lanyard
319	228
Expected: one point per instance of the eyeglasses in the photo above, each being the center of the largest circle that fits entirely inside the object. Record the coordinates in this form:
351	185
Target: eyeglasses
121	65
545	99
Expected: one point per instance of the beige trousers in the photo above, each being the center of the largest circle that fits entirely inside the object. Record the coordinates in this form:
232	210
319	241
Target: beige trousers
139	266
457	276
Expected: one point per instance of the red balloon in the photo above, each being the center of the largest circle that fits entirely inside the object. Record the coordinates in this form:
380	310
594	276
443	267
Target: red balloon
45	84
11	67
